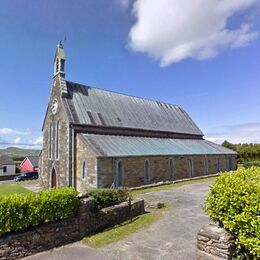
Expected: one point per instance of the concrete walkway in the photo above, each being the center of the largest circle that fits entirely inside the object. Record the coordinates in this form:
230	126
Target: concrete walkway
173	237
33	186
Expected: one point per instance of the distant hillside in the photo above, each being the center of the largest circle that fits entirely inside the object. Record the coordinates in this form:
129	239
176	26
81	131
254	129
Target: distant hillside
15	152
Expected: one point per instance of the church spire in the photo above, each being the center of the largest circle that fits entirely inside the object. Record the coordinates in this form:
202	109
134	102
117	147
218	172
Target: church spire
59	61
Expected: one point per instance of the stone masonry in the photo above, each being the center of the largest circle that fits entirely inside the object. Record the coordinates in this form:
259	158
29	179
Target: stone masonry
88	221
159	169
215	243
48	163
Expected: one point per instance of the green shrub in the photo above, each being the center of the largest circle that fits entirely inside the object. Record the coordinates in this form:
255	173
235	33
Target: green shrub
234	201
108	197
251	164
18	212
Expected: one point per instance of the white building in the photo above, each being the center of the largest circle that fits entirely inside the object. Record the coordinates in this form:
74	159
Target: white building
7	165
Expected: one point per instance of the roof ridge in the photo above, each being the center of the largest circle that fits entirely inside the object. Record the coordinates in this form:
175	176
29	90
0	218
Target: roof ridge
99	107
128	95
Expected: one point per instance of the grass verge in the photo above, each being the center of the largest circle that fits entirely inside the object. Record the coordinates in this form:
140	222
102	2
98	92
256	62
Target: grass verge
172	185
12	188
125	229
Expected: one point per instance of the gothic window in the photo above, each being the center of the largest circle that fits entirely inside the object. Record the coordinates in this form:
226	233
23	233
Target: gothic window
50	141
57	140
230	163
119	174
191	167
218	165
84	170
146	172
170	169
206	165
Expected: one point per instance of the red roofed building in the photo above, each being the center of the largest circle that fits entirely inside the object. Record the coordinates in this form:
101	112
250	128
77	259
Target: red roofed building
30	164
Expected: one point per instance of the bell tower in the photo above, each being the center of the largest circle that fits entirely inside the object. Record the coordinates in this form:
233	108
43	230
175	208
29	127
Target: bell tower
59	61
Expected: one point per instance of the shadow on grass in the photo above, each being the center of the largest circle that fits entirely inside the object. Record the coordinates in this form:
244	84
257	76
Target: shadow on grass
123	230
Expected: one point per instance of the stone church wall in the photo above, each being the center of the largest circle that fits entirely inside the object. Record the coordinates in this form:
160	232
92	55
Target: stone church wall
61	164
133	168
84	154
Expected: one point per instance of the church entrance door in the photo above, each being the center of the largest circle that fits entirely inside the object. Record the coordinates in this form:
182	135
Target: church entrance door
53	179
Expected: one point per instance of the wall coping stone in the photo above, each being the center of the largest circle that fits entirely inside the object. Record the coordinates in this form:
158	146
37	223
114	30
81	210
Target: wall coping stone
162	183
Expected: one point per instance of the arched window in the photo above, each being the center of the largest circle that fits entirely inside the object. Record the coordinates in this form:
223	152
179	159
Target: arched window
170	169
50	141
191	167
146	172
57	140
119	174
206	165
230	167
218	165
84	170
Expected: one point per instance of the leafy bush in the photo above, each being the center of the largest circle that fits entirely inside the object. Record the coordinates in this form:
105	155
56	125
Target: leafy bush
18	212
234	201
251	164
108	197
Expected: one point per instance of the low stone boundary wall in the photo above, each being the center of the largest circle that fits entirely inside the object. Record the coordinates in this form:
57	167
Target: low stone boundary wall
162	183
215	243
88	221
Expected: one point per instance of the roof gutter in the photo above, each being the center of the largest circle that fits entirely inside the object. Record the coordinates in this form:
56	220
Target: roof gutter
124	131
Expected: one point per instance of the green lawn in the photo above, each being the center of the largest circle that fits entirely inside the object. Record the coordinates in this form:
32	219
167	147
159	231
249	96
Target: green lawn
12	188
123	230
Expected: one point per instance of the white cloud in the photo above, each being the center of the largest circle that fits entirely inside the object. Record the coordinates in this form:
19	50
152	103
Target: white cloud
17	140
38	141
123	4
243	133
172	30
10	131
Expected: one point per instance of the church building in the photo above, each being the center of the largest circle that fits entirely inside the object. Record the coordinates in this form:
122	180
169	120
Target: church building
98	138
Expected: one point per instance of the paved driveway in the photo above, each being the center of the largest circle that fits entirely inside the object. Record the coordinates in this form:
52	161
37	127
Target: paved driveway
173	237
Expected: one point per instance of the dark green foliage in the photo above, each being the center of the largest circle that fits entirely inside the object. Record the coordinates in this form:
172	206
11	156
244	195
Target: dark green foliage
234	201
246	152
251	164
108	197
18	212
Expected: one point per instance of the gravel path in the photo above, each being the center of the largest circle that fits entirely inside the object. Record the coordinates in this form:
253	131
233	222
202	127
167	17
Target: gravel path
173	237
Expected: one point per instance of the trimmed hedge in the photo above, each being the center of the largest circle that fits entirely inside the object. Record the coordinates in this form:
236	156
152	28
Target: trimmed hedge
251	164
107	197
18	212
234	201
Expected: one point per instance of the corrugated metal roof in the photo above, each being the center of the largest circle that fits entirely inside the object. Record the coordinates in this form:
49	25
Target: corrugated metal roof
122	146
93	106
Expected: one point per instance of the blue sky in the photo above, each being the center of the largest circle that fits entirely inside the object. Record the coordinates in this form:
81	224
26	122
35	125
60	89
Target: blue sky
205	59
